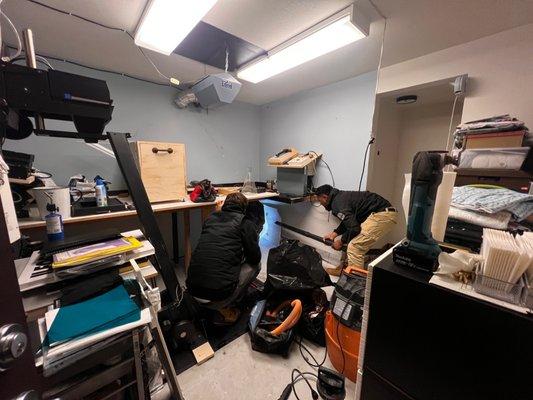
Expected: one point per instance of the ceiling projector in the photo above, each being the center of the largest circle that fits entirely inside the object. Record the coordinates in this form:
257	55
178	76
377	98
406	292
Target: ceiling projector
210	92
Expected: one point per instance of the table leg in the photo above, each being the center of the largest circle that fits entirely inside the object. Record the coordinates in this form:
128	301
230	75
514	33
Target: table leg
206	211
186	239
175	244
138	365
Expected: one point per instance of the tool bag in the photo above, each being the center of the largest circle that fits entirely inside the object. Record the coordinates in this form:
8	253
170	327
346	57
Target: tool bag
203	192
271	325
295	266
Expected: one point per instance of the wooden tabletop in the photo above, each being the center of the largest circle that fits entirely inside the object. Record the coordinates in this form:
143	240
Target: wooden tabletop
30	223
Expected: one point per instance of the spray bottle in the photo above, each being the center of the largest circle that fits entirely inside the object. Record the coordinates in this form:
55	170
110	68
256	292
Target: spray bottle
54	223
100	192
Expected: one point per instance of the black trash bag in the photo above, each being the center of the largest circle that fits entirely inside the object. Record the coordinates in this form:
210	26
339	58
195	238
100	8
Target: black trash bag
295	266
264	342
260	325
311	324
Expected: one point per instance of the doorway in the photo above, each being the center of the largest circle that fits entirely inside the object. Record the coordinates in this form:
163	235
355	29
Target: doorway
401	130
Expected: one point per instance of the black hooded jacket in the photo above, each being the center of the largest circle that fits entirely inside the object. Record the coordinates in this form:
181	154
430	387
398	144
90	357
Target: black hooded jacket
352	208
228	238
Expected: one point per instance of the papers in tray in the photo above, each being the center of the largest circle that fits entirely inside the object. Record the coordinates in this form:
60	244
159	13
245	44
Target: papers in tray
505	257
95	251
96	314
71	330
73	347
35	275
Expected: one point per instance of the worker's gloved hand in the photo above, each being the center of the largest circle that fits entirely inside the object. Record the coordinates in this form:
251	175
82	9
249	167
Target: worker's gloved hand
337	245
330	236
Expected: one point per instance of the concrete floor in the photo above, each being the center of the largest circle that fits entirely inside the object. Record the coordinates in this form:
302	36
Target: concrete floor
237	372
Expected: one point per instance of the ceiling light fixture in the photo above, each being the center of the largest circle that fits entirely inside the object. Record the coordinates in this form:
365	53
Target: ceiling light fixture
165	23
337	31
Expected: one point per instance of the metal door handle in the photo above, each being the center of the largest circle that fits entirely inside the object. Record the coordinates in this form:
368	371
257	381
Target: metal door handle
155	150
13	343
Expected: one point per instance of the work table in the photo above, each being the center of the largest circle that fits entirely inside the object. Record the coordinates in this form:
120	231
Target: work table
170	206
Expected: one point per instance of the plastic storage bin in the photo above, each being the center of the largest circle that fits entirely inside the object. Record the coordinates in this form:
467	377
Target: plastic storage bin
497	158
509	292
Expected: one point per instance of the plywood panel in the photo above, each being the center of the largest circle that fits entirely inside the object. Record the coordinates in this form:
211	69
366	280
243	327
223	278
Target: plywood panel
162	166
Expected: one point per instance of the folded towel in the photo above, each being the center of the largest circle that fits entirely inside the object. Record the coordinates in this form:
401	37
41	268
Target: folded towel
499	220
493	200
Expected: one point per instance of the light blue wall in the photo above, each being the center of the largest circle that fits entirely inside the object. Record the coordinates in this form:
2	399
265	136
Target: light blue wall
335	119
220	145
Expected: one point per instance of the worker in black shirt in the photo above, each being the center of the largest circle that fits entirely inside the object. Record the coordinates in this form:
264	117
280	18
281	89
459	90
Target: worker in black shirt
227	256
365	218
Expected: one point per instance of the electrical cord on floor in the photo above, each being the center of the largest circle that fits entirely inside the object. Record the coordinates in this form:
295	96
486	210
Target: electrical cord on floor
288	389
314	363
314	394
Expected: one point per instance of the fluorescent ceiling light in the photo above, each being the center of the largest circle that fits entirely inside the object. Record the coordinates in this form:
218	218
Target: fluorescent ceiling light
334	33
165	23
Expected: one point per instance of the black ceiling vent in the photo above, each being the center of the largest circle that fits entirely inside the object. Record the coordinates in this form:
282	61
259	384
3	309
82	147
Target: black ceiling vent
207	44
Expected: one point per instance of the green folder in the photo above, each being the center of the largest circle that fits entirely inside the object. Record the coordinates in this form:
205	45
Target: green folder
109	310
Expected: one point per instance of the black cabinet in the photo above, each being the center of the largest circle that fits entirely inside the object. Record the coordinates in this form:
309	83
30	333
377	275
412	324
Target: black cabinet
425	342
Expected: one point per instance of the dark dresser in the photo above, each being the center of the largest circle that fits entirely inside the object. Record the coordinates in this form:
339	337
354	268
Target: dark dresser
426	342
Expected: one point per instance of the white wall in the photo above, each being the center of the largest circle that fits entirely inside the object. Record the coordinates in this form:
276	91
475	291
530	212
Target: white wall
420	128
499	66
220	145
336	120
384	152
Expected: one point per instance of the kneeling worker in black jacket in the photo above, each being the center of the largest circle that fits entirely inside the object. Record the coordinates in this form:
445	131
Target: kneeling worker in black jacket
226	259
365	218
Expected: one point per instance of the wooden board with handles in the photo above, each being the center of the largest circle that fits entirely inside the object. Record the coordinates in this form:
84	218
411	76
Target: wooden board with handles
162	166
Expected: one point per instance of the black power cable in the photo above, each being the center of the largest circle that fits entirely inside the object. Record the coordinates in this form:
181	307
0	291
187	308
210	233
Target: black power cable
294	377
314	363
372	140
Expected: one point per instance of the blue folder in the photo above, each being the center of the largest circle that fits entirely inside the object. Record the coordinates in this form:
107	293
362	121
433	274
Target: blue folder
109	310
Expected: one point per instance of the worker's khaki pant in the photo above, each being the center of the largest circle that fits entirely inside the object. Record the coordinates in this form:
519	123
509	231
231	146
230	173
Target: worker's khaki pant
373	228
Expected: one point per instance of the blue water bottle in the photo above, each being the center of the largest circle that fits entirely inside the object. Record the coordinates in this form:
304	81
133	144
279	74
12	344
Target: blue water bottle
54	224
100	192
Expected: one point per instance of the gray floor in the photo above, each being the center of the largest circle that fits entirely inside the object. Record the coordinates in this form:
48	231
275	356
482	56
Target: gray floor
237	372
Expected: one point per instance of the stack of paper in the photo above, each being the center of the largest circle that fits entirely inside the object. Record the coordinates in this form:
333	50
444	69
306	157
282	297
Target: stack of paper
94	252
75	330
505	257
36	274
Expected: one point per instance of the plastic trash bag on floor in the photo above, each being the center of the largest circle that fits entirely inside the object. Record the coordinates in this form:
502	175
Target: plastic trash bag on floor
295	266
311	324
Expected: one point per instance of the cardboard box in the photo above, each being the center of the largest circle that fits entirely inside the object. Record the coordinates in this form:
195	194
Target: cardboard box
494	140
